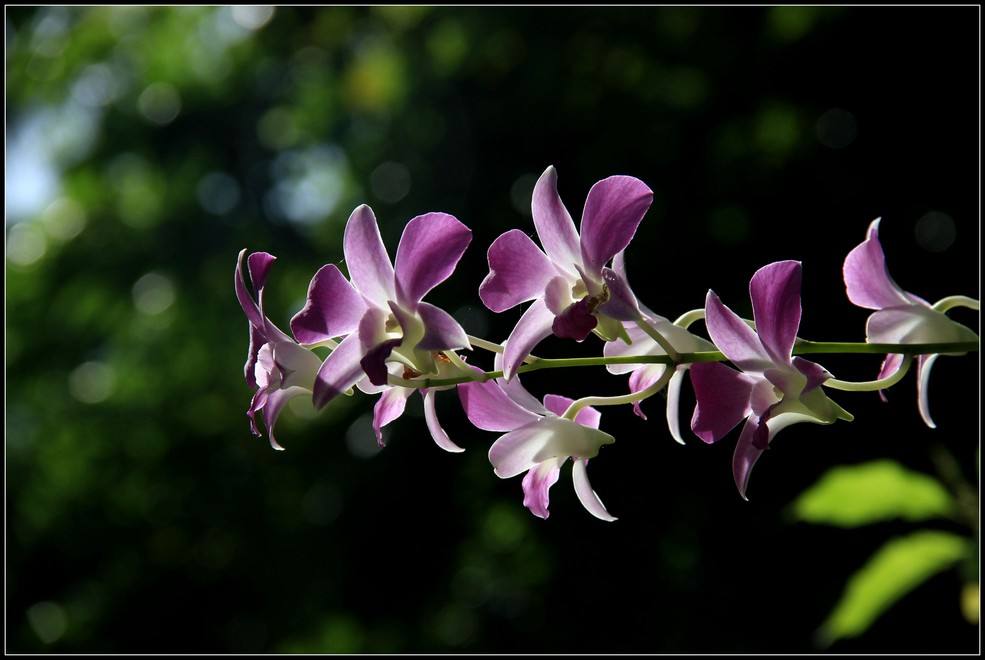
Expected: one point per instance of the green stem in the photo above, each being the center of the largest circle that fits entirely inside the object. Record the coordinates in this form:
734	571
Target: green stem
643	325
871	385
801	348
950	302
576	406
495	348
687	318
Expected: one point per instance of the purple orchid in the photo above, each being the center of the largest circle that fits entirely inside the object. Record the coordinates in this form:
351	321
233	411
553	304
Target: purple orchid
573	290
277	368
642	376
900	317
773	388
380	313
537	440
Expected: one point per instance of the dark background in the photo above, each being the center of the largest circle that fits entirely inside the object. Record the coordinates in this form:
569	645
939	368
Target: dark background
143	516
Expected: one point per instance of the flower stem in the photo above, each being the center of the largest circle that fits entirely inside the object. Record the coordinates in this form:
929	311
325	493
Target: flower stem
495	348
871	385
687	318
802	347
633	397
950	302
645	326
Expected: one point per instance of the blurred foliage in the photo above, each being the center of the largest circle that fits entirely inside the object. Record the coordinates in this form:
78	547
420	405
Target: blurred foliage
873	492
888	575
881	491
147	145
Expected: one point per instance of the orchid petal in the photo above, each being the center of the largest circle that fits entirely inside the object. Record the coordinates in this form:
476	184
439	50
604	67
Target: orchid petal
583	489
373	361
723	399
340	371
613	210
622	304
748	449
441	331
643	378
247	301
554	226
276	401
550	437
558	405
815	373
537	483
366	257
333	308
532	328
673	404
733	337
575	322
257	340
429	250
389	407
914	324
924	364
867	280
775	293
489	407
439	434
298	365
518	272
890	365
515	390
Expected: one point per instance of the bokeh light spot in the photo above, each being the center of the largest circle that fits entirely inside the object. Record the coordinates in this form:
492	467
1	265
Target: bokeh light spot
390	182
159	103
26	244
218	193
92	382
48	620
63	219
252	17
153	293
360	438
522	192
729	225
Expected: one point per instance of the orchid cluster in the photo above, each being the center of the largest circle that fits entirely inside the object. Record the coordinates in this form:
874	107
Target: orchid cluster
382	339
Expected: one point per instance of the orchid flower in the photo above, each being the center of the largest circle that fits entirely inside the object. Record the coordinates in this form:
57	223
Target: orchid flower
773	389
380	313
393	400
277	368
642	376
537	440
900	317
573	290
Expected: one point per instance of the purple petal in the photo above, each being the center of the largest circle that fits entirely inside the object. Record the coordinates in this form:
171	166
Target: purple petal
775	294
733	337
332	309
924	364
752	442
867	279
537	483
815	373
532	328
518	271
722	395
558	405
622	303
429	250
276	401
516	391
441	331
260	267
257	340
389	407
434	426
554	226
489	408
642	378
613	210
339	371
366	257
373	363
890	365
576	322
587	496
557	294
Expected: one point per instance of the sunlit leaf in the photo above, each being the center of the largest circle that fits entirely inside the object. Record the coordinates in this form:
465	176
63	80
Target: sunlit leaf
871	492
896	569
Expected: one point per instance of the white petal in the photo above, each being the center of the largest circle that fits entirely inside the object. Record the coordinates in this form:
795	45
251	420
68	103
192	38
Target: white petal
587	496
673	404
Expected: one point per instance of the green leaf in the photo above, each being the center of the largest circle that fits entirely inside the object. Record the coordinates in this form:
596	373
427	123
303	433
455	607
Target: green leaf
892	572
871	492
